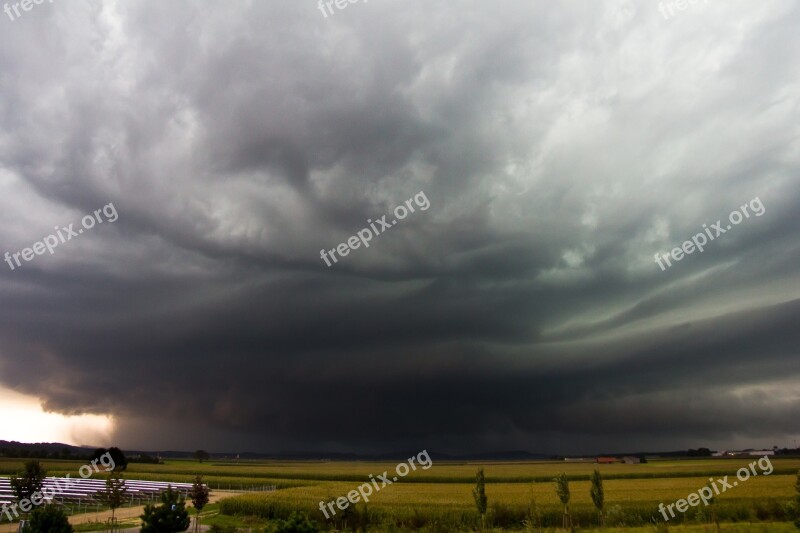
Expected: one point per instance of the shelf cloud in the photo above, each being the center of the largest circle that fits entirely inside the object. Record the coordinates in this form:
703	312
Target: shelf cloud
561	146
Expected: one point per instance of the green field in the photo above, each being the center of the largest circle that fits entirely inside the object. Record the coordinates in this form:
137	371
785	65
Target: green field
440	498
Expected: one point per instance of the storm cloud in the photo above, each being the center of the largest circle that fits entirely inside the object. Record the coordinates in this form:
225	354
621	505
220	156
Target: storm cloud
561	145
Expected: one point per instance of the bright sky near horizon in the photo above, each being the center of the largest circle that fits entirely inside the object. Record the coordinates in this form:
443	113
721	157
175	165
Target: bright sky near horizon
24	420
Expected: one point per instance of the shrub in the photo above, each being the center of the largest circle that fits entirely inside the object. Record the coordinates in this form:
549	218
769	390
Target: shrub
220	529
169	517
296	523
48	519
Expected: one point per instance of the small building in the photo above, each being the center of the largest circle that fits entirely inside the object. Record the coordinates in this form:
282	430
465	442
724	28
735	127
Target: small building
606	460
630	460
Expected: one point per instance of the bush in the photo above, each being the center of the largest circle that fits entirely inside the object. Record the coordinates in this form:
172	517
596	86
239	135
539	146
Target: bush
48	519
169	517
219	529
296	523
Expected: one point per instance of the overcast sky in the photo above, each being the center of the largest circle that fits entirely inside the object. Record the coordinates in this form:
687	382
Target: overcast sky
561	145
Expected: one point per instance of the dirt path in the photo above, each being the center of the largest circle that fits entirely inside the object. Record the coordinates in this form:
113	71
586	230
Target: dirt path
126	512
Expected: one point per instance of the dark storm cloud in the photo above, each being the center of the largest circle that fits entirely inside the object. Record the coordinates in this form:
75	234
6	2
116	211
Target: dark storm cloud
560	146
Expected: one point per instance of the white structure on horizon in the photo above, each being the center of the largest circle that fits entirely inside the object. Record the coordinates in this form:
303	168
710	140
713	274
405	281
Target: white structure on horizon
759	453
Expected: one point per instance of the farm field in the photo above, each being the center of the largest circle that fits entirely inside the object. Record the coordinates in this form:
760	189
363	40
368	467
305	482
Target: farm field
440	472
440	498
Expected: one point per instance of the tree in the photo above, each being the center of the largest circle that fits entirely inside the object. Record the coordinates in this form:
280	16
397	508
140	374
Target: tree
700	452
596	492
201	455
97	454
562	489
479	493
28	481
169	517
48	519
199	496
120	462
113	495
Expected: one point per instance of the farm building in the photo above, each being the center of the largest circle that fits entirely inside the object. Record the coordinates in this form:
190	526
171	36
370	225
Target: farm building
743	453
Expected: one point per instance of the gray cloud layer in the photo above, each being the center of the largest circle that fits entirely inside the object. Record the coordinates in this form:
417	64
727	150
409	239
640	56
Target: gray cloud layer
561	146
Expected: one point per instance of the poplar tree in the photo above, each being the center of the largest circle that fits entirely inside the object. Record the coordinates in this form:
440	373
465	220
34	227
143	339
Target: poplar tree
479	493
597	494
562	489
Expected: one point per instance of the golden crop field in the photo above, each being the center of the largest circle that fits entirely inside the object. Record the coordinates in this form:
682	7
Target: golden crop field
448	471
439	472
443	493
460	494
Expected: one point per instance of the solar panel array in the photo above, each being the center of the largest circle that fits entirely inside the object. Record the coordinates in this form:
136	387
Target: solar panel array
82	491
